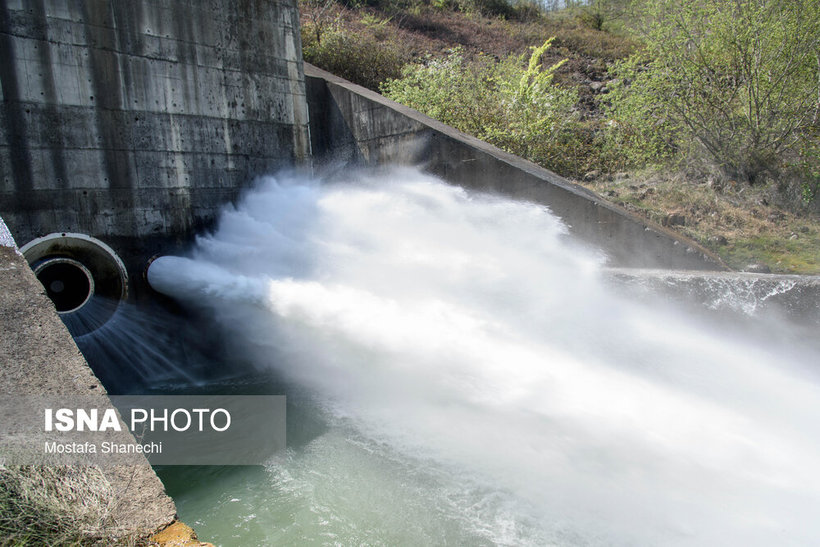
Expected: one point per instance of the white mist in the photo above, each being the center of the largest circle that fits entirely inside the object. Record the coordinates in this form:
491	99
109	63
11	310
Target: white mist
466	343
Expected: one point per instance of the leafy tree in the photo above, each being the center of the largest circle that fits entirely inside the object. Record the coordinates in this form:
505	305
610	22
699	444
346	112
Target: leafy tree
738	78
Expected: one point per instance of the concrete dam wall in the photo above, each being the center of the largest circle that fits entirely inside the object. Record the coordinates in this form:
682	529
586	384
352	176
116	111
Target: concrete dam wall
126	126
133	122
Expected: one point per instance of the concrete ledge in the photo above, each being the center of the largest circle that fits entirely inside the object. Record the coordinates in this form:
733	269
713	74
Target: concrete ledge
39	357
790	296
355	125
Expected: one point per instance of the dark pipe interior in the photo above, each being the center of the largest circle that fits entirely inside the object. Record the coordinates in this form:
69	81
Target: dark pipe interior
68	283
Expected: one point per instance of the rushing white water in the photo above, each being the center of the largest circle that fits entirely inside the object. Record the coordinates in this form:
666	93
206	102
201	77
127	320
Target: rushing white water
465	343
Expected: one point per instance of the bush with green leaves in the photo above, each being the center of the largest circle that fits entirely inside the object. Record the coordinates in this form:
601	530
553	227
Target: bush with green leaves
733	82
808	167
492	8
513	104
451	90
597	14
366	58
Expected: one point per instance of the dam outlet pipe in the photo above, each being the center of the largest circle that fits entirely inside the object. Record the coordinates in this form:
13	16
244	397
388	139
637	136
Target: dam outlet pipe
83	277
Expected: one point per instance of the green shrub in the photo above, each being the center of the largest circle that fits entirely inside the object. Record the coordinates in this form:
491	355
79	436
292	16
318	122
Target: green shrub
539	118
598	14
362	59
527	10
643	129
808	170
512	104
459	93
489	8
733	82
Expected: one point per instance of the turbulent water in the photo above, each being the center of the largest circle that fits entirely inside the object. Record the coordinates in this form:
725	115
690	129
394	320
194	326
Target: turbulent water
478	383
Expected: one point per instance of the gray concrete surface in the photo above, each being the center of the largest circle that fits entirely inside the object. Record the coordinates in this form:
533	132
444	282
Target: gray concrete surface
354	125
39	358
6	239
791	297
130	120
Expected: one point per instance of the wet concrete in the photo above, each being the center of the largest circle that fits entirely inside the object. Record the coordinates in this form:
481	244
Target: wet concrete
141	119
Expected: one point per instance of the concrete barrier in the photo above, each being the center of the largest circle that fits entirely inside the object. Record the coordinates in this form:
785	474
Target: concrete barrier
39	358
792	297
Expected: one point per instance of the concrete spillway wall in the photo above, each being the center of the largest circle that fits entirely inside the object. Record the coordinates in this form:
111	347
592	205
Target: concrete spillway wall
356	125
132	120
793	297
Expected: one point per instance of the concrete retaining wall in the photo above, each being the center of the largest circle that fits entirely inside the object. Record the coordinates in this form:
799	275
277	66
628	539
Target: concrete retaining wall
39	358
792	297
132	120
352	124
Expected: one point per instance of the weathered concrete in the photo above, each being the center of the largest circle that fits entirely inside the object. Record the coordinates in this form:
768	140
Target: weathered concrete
135	122
794	297
39	358
352	124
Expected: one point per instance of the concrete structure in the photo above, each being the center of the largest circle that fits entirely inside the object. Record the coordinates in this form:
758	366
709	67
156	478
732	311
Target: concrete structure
39	358
133	122
353	124
792	297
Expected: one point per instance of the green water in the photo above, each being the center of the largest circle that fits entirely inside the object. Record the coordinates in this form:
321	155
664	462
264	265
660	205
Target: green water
342	489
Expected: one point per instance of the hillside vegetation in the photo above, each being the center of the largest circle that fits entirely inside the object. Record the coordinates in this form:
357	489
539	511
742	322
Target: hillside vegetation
701	116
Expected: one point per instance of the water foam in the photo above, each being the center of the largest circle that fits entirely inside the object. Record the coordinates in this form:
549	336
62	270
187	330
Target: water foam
469	331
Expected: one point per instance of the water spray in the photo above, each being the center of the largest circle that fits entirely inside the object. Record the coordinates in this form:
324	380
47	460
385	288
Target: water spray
465	333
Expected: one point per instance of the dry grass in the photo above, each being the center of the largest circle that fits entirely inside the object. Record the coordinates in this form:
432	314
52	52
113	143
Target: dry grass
739	223
56	505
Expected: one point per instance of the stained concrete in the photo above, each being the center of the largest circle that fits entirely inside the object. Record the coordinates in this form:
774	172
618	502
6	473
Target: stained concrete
355	125
135	122
39	358
791	297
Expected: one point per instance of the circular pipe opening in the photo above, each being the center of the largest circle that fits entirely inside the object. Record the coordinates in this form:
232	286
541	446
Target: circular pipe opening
83	276
68	283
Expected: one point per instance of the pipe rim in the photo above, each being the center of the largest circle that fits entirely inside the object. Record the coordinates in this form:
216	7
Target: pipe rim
83	257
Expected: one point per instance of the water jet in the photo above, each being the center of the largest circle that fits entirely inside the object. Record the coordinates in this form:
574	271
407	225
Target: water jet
476	365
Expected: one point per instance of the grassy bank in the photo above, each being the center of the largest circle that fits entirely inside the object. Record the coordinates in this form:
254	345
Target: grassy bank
740	224
470	64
